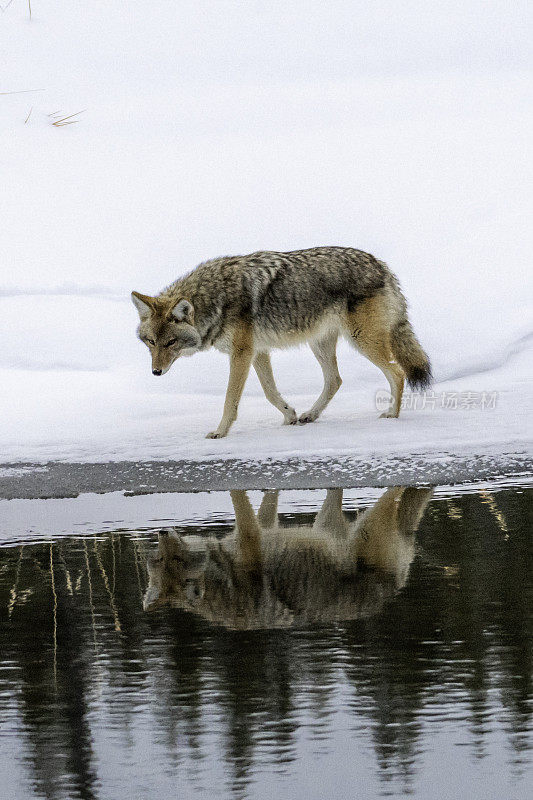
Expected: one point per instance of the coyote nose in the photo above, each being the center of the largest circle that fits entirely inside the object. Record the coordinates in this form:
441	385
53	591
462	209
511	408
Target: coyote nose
156	372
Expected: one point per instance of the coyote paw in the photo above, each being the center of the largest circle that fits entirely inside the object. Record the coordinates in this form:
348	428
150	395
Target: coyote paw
388	415
291	418
215	435
309	416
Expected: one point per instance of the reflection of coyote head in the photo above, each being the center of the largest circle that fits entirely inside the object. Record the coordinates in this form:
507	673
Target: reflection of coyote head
267	576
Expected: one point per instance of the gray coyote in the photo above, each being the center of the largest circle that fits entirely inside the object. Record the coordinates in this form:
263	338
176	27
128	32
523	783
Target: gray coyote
246	306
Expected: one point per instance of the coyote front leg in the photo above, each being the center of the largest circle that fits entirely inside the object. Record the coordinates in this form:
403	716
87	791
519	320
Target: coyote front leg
240	361
324	351
263	367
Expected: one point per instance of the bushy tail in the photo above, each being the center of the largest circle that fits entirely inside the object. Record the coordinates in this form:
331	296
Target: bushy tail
409	354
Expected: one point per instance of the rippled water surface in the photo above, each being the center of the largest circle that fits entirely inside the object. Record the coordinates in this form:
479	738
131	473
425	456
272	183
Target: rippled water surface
381	651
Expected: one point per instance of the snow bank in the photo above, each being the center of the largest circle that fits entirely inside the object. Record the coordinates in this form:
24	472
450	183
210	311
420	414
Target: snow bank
125	414
212	128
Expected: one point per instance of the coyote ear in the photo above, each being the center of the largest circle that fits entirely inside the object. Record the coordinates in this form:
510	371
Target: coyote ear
183	310
143	303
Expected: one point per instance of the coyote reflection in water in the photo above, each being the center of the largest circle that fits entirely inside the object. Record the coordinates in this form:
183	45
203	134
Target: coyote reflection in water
265	575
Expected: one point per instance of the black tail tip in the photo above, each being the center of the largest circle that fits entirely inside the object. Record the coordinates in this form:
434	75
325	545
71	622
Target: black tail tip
420	377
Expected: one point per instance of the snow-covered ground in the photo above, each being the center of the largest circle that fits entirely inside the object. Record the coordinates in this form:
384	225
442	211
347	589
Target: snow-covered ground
110	407
212	128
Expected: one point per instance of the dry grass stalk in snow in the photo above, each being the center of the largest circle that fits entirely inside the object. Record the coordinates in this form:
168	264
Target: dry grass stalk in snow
61	120
22	91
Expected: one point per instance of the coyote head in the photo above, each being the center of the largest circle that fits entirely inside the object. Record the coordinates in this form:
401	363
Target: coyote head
175	573
167	329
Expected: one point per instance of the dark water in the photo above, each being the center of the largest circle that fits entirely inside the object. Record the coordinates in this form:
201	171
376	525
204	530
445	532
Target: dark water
380	654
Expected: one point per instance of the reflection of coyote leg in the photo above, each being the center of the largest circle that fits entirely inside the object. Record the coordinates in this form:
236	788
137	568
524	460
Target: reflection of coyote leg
386	531
330	517
268	510
411	509
248	549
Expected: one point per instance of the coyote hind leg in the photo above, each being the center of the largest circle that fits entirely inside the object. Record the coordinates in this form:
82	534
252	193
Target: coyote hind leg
368	332
324	351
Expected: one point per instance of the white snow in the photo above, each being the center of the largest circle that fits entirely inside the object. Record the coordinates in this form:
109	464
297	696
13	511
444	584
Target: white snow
214	128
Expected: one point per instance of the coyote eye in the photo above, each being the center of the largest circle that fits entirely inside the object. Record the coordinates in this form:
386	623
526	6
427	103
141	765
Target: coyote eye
150	341
172	341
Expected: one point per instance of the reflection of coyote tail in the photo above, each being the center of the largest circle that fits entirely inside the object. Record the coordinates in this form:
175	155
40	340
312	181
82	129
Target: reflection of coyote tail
410	356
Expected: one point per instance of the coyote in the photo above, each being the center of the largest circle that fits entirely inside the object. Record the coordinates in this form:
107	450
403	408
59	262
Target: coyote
264	575
248	305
